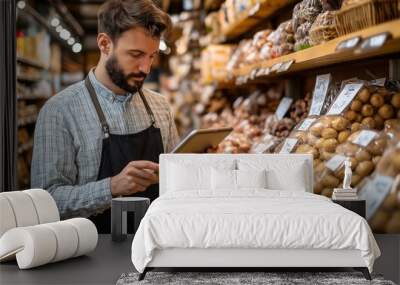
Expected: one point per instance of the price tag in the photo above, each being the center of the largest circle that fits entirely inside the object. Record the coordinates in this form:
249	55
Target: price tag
288	145
283	107
254	9
261	147
320	91
364	137
276	66
306	124
335	162
374	192
345	97
374	42
348	44
379	82
285	66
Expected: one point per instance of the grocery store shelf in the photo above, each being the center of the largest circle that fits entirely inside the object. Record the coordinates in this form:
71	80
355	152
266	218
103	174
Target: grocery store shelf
30	62
23	121
252	16
32	97
25	147
326	54
27	78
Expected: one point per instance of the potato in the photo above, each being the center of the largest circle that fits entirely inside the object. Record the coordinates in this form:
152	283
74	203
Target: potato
329	133
376	159
343	135
367	110
396	100
318	188
356	105
327	192
354	163
330	145
350	115
386	111
355	127
340	173
392	124
355	179
316	162
368	122
390	202
379	221
348	149
365	168
319	143
395	159
340	123
316	129
377	100
359	118
363	155
320	167
378	122
363	95
311	139
326	155
376	147
330	181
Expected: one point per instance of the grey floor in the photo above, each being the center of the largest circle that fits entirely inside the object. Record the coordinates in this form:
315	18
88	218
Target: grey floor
106	264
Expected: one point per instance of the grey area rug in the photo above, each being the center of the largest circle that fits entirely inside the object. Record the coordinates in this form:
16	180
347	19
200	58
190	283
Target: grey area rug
243	278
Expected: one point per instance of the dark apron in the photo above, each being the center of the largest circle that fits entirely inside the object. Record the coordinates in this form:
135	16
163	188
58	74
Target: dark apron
119	150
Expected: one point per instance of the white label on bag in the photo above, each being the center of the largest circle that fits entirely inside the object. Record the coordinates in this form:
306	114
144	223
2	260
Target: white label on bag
364	137
306	124
283	107
379	82
288	145
375	192
320	91
345	97
335	162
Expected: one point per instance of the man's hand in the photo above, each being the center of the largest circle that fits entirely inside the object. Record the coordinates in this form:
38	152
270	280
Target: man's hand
135	177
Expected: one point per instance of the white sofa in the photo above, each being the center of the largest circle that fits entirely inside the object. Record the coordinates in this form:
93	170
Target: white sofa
285	169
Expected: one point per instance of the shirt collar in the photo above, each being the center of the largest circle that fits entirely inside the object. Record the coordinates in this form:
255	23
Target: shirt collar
103	91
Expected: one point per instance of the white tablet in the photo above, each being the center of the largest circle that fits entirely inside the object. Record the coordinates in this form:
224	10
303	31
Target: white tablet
199	140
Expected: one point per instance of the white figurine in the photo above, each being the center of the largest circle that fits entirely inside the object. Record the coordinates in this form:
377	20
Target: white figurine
347	174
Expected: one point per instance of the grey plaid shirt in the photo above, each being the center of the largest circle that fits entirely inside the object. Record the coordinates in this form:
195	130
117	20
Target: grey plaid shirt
68	143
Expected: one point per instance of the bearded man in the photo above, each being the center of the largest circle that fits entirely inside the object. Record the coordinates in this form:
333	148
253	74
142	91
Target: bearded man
102	137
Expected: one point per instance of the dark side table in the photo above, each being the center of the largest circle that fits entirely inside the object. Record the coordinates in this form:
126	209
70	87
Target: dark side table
119	209
356	206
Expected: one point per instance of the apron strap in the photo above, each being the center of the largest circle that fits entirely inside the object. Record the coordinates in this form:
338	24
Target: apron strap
99	111
148	109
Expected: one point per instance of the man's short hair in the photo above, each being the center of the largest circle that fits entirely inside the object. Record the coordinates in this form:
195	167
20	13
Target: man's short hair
117	16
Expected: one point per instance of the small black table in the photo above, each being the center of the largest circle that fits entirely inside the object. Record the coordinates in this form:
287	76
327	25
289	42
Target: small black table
357	206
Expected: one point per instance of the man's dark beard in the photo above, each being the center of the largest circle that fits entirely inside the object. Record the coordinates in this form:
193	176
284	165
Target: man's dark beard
120	79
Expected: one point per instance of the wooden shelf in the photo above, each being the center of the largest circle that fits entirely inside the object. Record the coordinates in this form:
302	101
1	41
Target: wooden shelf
252	16
326	54
27	78
23	121
33	97
30	62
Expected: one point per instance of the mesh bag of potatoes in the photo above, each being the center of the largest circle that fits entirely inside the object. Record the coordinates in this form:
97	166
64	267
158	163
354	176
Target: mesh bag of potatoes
364	148
382	193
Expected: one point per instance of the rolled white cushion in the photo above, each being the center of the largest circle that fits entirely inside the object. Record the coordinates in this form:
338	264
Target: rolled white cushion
67	239
23	208
40	244
183	177
87	235
7	218
45	205
33	246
